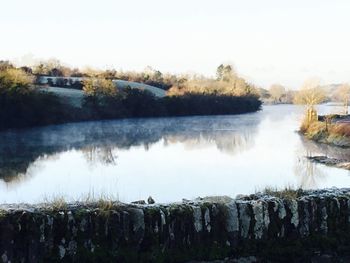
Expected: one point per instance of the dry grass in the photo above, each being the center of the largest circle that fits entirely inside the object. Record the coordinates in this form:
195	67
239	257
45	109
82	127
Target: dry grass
103	202
286	193
320	131
337	134
316	130
56	203
342	129
304	125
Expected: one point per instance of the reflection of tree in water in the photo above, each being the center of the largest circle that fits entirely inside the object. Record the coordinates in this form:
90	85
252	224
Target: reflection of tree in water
235	142
312	173
326	150
98	140
14	166
229	142
308	172
103	155
9	174
13	174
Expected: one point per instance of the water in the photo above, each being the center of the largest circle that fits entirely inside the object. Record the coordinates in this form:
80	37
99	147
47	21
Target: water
167	158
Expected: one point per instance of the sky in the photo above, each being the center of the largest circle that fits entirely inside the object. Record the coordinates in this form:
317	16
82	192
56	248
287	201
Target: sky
270	41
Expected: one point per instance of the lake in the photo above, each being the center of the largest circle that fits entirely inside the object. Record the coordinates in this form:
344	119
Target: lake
166	158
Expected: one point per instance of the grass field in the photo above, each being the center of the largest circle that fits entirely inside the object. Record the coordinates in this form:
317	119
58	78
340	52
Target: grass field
75	97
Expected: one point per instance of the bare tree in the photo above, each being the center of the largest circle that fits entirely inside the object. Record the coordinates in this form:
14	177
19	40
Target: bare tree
277	92
342	94
310	95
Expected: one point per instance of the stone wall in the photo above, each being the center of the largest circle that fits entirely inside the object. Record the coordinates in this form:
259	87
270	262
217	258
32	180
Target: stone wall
296	227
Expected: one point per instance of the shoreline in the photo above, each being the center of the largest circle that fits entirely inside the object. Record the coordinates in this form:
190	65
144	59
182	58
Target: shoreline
332	162
123	119
328	132
134	104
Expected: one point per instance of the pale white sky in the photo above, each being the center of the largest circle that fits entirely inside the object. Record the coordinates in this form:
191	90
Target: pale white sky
268	41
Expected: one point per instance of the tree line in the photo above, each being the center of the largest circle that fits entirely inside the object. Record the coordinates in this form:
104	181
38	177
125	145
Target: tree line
23	104
226	79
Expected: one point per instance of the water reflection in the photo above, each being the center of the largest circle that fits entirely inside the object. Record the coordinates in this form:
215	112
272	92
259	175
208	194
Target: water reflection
308	173
99	142
103	155
326	149
167	158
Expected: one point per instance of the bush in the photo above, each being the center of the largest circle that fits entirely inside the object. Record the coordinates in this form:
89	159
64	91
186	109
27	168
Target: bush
15	80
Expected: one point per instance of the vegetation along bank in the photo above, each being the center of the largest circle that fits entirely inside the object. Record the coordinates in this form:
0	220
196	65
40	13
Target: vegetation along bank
25	102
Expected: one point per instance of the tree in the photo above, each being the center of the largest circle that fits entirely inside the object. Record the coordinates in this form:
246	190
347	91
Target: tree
228	73
157	76
310	95
15	80
101	97
51	67
342	94
263	93
40	69
27	69
219	72
289	97
56	72
97	87
277	92
225	73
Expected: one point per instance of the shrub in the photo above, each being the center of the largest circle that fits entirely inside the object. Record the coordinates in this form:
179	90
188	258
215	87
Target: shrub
15	80
97	87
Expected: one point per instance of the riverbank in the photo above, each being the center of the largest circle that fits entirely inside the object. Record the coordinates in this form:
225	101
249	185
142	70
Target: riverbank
333	133
33	108
273	227
28	99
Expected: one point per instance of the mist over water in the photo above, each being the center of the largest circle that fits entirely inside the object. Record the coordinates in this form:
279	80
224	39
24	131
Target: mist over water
166	158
